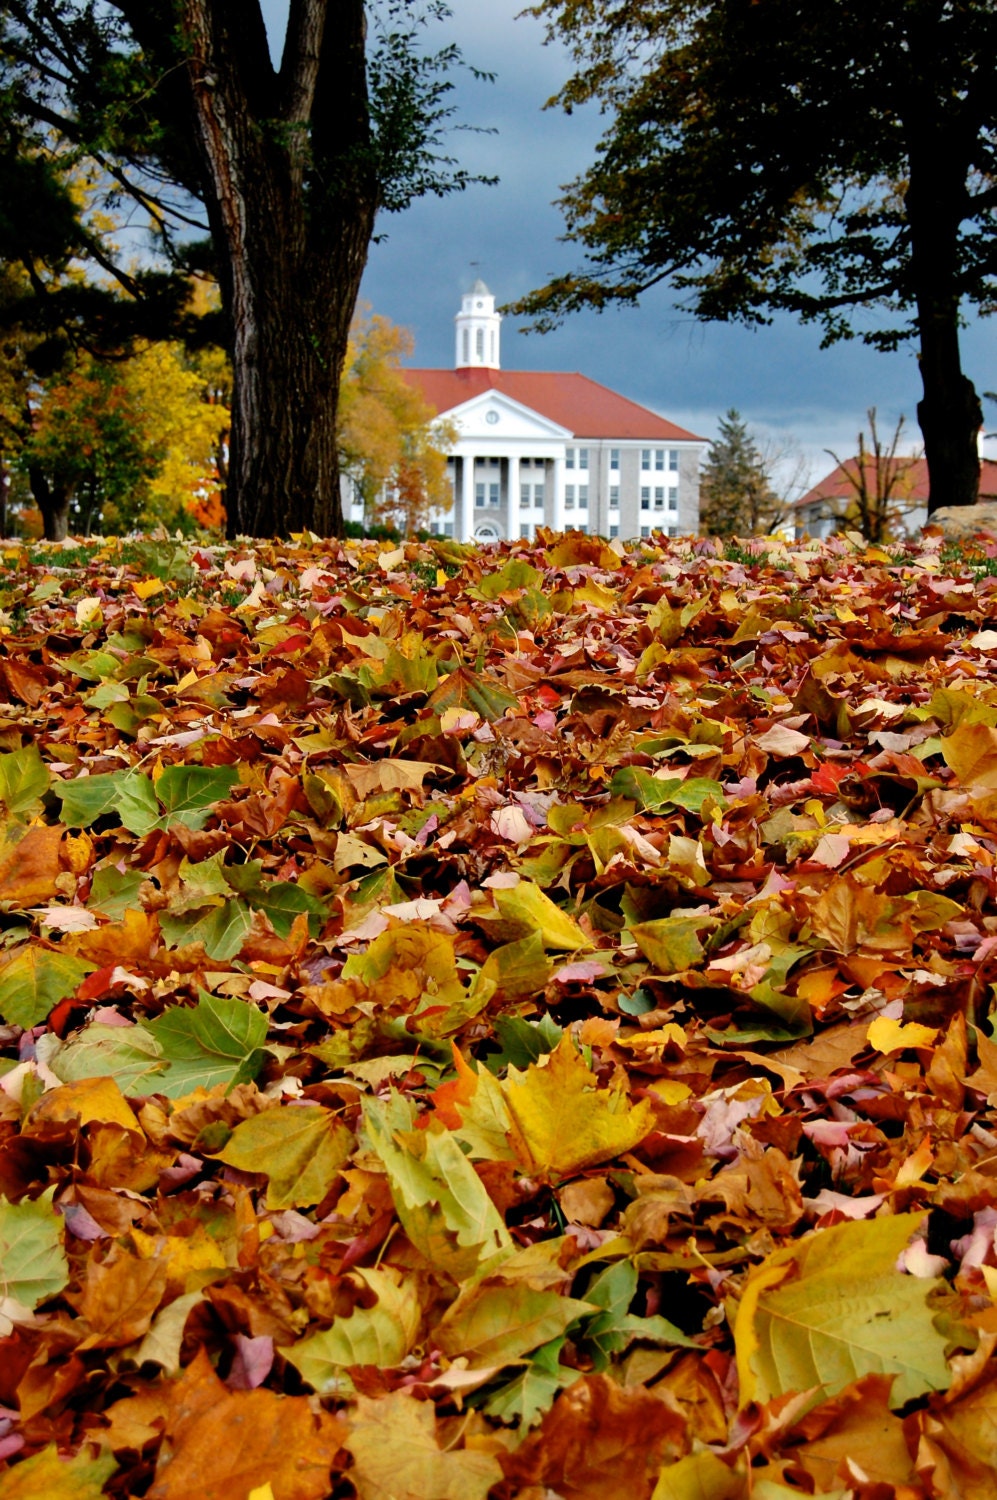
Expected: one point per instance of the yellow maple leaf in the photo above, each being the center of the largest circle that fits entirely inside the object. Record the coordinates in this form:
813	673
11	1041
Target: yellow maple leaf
887	1035
563	1122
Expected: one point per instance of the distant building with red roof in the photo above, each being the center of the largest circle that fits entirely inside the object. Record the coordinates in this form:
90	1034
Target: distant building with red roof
552	449
823	509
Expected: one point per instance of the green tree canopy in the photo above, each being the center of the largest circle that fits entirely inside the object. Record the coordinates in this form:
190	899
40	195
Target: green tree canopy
825	159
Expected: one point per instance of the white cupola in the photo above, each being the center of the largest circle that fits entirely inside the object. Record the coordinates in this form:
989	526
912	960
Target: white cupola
477	326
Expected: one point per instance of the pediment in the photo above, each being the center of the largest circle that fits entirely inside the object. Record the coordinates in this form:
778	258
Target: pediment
494	415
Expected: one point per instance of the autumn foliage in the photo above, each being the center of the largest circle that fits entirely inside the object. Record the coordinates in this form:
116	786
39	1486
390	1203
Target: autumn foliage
504	1023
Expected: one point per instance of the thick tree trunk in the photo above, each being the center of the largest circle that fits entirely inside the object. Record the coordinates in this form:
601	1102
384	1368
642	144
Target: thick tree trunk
949	413
53	501
293	213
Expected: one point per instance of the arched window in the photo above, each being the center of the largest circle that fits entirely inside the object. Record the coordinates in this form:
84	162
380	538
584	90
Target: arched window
491	345
479	343
467	348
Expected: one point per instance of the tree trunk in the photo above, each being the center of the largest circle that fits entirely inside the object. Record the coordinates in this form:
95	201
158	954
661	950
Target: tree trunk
53	501
292	210
949	413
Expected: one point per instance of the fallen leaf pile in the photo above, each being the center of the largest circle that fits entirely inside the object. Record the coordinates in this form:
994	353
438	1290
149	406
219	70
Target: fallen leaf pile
504	1023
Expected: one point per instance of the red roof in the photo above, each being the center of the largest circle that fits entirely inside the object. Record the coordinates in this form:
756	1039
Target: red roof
586	408
911	487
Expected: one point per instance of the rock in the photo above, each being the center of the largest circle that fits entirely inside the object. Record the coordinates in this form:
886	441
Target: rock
958	521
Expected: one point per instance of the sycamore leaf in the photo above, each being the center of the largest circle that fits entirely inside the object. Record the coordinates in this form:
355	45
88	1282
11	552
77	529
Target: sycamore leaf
533	1390
492	1323
564	1122
187	793
130	1055
47	1476
218	1041
300	1147
832	1307
33	981
439	1198
524	909
128	794
30	864
24	780
971	752
699	1476
671	944
224	1444
33	1262
113	891
381	1335
414	966
396	1455
222	929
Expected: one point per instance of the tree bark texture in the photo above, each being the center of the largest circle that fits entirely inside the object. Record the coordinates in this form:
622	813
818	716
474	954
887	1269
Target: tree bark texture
950	414
53	500
291	201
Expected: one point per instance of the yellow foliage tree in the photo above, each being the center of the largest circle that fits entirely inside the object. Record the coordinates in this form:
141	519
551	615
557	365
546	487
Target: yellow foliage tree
392	449
183	429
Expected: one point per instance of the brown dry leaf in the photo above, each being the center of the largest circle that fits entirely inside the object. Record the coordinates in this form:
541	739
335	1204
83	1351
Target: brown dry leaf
856	1425
396	1455
984	1080
848	916
600	1441
957	1443
587	1201
222	1444
89	1100
947	1071
29	872
120	1297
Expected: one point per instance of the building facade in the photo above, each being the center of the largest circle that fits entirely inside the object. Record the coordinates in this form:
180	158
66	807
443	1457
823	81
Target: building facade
829	506
541	448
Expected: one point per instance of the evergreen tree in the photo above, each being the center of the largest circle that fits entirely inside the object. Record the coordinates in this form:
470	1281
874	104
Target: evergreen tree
736	497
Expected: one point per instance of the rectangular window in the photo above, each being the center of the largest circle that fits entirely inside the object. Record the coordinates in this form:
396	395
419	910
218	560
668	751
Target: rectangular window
645	458
659	497
448	528
614	458
645	531
673	531
479	495
493	494
645	497
614	496
673	460
524	532
524	495
659	458
613	531
538	496
524	463
582	529
673	500
493	463
569	497
583	458
583	497
569	458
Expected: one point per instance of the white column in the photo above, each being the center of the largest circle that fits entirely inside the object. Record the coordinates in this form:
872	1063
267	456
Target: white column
466	528
556	508
513	509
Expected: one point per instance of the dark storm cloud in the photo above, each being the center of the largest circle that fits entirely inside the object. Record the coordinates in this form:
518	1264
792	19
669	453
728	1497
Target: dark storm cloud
777	376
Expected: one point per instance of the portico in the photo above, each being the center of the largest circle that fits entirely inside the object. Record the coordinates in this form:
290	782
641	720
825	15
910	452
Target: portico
555	449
